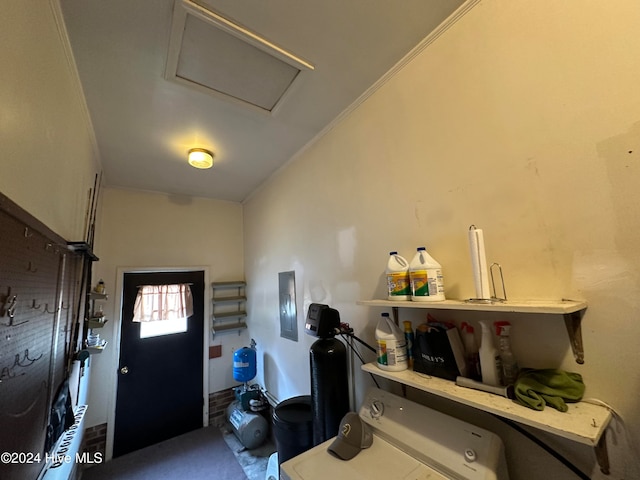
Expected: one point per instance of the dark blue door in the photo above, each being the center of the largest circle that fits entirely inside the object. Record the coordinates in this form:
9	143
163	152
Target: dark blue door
160	387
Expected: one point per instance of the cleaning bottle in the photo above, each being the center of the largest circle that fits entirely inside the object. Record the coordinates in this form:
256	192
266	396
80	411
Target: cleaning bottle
471	351
490	364
510	368
409	338
392	347
427	283
398	282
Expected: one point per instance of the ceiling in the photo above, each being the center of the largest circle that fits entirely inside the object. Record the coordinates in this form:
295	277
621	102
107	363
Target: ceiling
145	122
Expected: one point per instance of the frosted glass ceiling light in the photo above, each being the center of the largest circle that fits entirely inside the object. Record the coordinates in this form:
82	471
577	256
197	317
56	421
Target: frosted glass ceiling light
200	158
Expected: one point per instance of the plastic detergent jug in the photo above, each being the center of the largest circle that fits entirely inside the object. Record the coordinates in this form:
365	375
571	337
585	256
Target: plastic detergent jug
490	363
392	347
398	282
427	283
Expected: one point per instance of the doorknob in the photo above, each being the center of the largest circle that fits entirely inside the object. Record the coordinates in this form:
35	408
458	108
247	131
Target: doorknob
124	370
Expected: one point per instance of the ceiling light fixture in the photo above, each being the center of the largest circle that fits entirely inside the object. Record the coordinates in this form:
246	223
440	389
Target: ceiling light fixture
200	158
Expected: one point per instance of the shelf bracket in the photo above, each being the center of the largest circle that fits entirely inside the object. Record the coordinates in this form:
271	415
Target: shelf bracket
572	321
602	454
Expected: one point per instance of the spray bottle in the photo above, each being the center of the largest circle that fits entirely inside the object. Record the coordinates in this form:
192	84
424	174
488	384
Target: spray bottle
409	337
490	364
509	364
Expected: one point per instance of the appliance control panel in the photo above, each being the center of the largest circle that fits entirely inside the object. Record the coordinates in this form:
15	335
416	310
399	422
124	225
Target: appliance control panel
445	443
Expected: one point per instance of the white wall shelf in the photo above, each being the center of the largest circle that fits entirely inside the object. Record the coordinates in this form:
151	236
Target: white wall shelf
95	349
571	310
525	306
225	296
583	422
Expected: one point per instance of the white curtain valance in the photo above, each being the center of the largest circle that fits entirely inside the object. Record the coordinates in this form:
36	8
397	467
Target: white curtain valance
163	302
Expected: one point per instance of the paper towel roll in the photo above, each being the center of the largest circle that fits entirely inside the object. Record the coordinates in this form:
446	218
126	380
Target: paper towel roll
479	263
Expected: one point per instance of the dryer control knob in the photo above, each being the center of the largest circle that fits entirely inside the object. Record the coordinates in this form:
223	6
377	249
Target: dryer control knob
470	455
377	409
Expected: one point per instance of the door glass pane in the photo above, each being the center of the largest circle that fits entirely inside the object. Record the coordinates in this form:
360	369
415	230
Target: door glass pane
163	327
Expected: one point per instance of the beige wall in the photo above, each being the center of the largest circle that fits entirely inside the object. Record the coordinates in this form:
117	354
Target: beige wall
48	163
524	119
149	230
48	166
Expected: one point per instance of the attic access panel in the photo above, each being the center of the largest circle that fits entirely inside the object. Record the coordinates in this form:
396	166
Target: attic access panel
214	55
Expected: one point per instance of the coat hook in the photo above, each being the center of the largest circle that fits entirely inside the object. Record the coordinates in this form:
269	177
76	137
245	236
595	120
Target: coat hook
31	268
26	361
46	309
11	309
8	308
34	306
27	234
63	307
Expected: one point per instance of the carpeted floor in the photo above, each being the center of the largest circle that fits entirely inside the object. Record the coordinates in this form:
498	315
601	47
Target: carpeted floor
201	454
254	462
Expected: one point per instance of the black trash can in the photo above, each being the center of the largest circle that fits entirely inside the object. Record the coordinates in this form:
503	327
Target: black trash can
293	427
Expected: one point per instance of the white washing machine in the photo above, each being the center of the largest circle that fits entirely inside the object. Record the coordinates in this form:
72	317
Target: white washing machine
410	442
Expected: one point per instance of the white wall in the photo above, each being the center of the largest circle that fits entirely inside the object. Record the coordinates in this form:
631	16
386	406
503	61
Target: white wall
150	230
48	163
524	119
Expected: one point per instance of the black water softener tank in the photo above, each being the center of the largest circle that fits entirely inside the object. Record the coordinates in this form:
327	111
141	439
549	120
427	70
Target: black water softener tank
329	372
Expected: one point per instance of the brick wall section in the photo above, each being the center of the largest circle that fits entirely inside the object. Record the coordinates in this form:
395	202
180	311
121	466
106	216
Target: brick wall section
95	439
218	403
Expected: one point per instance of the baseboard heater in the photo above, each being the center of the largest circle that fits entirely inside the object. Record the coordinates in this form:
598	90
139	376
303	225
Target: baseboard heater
65	458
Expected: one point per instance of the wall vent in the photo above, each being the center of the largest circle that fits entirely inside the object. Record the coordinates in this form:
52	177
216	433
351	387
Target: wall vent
212	54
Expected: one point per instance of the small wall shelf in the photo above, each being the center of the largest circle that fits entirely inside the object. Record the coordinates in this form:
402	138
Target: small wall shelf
528	306
583	422
231	326
96	322
571	310
96	318
95	349
230	304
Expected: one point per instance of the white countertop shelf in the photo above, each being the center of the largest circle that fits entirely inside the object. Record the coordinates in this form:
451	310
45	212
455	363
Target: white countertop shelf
522	306
583	422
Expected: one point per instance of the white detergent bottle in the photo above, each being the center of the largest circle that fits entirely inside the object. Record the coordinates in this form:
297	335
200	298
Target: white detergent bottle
427	283
392	346
398	282
490	364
